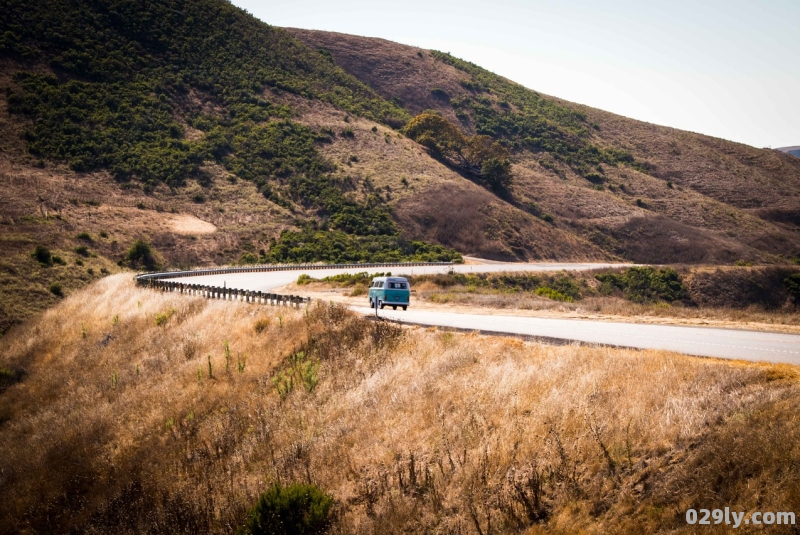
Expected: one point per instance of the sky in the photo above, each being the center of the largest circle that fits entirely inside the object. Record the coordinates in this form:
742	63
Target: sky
728	69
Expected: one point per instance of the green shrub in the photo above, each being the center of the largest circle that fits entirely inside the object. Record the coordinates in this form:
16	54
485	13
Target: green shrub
8	378
82	250
792	283
645	284
334	246
297	509
248	258
84	236
163	317
58	260
550	293
56	290
141	253
304	279
42	255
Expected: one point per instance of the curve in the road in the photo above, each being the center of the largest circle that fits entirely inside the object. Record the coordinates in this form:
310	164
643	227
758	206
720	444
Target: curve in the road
699	341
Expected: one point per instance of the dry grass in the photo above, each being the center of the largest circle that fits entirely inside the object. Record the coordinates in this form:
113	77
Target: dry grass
117	426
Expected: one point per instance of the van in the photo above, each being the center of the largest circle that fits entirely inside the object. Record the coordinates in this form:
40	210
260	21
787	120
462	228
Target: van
389	291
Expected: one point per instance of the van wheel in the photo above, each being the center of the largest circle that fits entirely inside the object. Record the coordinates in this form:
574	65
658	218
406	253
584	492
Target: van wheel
405	308
371	304
394	307
380	304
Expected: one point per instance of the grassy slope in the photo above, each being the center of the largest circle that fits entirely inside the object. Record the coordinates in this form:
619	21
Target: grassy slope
117	426
701	200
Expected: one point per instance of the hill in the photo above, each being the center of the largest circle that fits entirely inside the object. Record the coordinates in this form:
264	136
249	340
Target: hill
123	410
204	136
794	151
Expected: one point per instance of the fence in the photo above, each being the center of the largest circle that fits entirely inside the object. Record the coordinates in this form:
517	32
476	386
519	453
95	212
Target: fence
160	281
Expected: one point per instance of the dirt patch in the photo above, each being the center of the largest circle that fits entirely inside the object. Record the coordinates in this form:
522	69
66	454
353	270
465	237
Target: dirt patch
188	224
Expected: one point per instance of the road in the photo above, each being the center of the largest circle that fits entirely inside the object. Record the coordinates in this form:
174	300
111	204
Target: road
699	341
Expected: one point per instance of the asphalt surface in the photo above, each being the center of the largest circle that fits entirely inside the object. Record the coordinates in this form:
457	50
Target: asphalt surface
699	341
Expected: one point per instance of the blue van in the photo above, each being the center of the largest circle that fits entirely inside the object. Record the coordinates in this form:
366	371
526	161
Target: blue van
389	291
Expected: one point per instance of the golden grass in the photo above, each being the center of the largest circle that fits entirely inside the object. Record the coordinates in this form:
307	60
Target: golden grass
116	425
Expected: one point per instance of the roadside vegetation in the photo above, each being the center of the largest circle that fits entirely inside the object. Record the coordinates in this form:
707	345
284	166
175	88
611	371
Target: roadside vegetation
758	296
226	415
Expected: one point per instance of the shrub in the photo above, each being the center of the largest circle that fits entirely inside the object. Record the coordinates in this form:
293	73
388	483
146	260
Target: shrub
304	279
7	378
440	94
82	250
58	260
553	294
248	258
141	252
792	283
56	290
42	255
84	236
163	317
297	509
645	284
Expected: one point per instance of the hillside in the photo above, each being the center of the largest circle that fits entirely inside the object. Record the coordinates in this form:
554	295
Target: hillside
686	198
214	138
794	151
123	410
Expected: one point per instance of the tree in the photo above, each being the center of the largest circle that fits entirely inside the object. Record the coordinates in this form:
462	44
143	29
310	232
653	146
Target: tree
441	137
480	156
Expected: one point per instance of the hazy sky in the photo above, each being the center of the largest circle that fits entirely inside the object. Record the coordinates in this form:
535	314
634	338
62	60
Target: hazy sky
729	69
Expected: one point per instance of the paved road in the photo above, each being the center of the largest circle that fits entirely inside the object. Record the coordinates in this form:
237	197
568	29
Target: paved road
700	341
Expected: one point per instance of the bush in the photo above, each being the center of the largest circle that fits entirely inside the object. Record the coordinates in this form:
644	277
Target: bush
42	255
58	260
82	250
56	290
141	252
84	236
645	284
792	283
163	317
553	294
294	510
8	378
248	258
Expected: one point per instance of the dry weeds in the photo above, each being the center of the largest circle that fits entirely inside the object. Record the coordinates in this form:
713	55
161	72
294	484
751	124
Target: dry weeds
120	424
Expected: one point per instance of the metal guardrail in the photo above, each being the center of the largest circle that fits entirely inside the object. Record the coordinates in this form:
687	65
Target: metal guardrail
160	281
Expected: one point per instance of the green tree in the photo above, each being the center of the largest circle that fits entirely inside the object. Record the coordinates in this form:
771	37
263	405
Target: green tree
479	155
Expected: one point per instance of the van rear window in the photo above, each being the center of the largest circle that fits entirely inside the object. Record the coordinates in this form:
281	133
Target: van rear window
397	285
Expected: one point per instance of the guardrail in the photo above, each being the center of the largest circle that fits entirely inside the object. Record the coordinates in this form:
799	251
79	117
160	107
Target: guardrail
160	281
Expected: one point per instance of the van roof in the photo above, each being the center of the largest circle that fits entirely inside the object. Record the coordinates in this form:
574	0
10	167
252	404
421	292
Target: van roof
396	279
